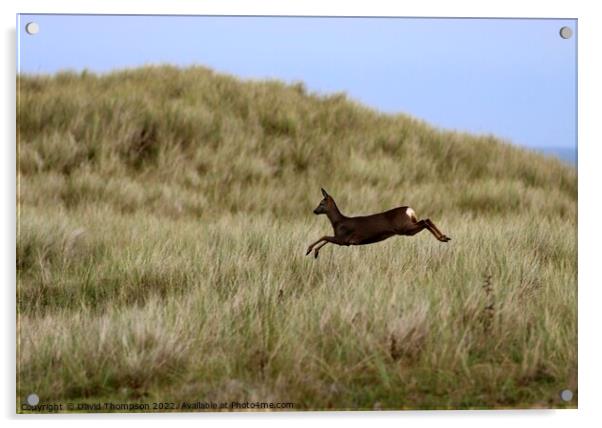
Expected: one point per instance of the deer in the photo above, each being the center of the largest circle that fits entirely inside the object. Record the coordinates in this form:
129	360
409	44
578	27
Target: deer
362	230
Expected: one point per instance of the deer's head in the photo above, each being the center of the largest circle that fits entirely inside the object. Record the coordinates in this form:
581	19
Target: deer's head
325	204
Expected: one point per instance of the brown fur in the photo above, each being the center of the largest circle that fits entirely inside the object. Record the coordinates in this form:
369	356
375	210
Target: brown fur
369	229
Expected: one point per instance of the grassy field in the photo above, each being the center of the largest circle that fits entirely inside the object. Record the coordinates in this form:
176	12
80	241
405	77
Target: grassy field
163	217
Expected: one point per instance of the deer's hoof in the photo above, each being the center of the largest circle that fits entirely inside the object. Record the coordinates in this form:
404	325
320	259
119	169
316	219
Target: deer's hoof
308	251
316	254
445	239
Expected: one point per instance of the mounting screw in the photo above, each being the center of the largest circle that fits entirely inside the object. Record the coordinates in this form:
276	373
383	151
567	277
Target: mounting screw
566	32
566	395
33	399
32	28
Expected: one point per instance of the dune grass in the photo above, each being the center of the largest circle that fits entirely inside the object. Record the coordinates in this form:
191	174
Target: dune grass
163	217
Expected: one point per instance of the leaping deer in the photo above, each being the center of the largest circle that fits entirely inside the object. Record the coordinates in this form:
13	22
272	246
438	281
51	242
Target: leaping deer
369	229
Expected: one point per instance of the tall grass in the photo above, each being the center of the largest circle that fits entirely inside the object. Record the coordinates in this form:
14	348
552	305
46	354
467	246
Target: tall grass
163	217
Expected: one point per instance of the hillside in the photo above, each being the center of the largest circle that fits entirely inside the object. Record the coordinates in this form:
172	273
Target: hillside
115	135
163	217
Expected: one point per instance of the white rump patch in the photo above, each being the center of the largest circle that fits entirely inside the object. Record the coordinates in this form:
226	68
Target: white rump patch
410	213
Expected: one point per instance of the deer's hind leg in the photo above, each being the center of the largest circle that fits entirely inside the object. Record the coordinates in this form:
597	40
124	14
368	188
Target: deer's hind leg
425	224
414	228
418	225
438	234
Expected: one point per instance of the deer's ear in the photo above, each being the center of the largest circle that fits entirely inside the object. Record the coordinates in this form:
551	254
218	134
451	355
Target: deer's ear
324	192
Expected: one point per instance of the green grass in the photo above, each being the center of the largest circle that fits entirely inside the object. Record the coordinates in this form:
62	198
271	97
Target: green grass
163	217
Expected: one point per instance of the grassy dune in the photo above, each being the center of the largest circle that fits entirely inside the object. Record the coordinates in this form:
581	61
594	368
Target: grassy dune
163	220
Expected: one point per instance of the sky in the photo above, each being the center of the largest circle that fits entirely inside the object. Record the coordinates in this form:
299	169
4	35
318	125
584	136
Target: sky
514	78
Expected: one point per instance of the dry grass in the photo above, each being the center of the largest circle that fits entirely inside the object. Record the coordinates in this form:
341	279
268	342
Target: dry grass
163	218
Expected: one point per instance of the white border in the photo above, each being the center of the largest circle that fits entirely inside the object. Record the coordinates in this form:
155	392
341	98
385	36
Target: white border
590	281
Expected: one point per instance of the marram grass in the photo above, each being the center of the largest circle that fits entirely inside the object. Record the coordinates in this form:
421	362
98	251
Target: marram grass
163	217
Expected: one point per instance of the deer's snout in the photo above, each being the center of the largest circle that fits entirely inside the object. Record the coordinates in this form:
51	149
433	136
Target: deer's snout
321	208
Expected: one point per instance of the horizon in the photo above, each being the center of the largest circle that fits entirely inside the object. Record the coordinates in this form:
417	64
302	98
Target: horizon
496	79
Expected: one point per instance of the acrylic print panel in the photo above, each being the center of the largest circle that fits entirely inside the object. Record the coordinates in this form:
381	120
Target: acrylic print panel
192	202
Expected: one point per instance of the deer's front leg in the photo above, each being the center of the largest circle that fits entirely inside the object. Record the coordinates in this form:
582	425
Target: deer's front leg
317	250
327	239
323	238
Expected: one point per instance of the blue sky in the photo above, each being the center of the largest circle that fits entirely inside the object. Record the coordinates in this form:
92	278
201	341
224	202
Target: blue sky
512	78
